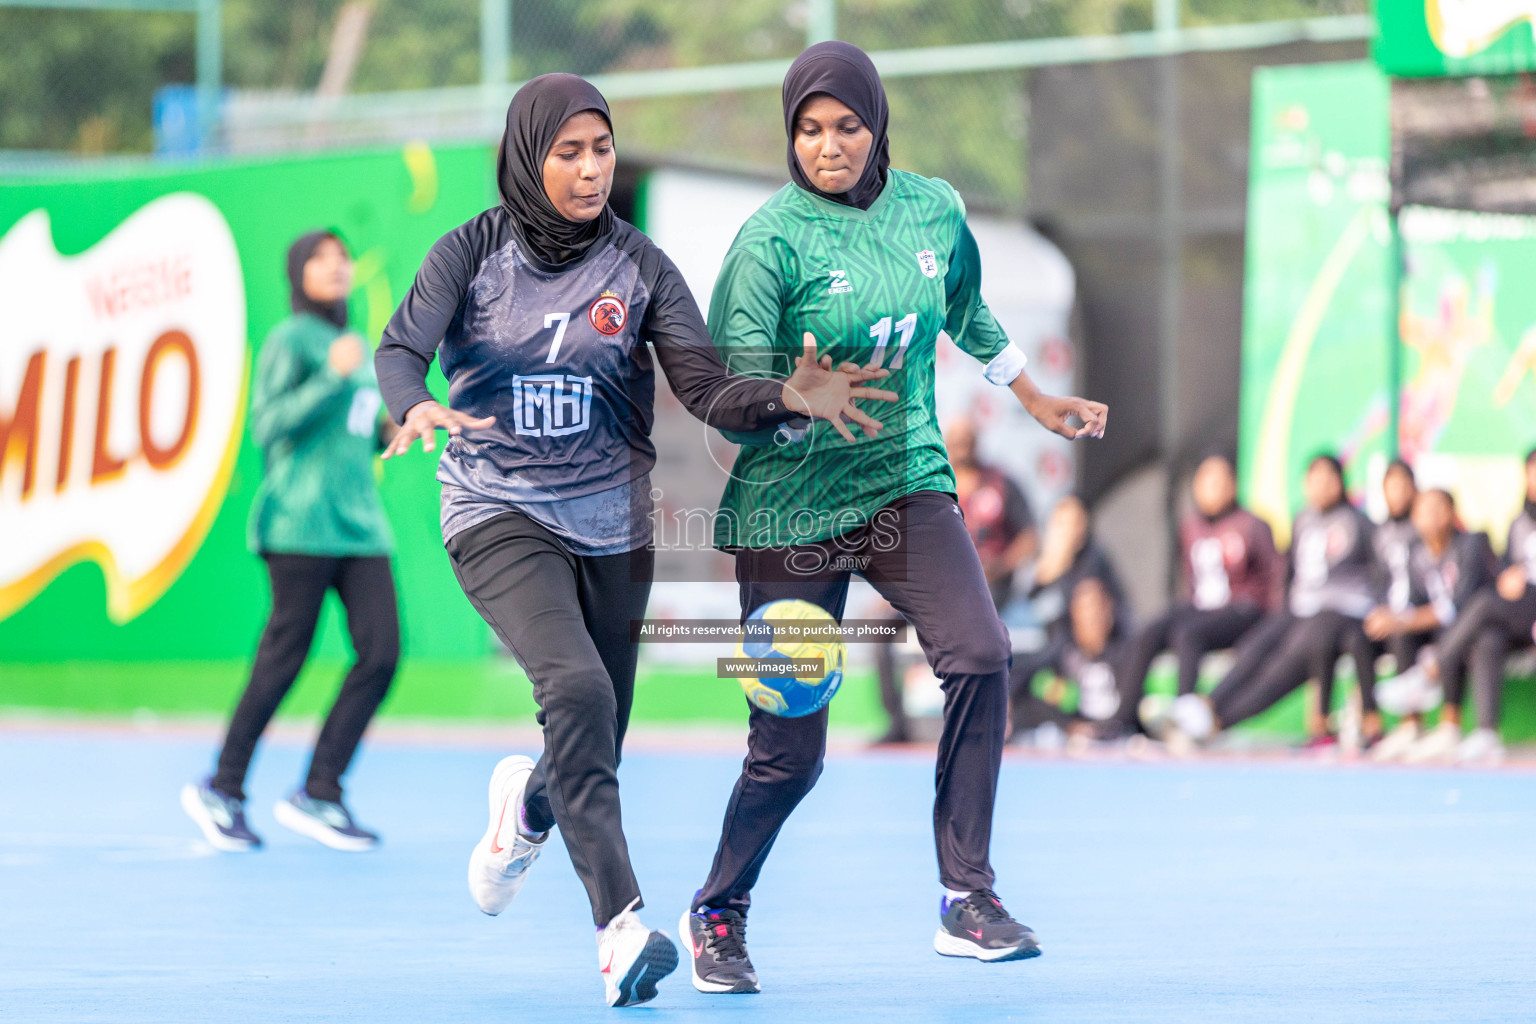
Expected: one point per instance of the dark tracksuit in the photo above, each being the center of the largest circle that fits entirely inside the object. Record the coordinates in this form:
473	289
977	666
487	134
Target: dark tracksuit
319	525
1489	628
1334	582
933	577
546	515
1449	585
1052	602
1107	692
1396	542
1232	577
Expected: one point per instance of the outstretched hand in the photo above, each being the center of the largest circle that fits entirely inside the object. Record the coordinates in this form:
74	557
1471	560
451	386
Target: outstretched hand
1054	414
424	419
817	390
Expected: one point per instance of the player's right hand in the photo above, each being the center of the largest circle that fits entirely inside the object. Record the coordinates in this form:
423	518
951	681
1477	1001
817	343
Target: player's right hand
424	419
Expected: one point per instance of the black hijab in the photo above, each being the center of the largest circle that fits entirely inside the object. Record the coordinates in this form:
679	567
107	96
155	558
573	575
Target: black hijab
844	72
299	253
533	124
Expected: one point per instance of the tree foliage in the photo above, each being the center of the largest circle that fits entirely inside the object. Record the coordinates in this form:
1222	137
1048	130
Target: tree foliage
84	80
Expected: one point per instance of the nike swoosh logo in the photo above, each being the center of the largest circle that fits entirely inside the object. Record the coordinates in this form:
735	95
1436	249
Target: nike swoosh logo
698	949
976	934
609	965
495	848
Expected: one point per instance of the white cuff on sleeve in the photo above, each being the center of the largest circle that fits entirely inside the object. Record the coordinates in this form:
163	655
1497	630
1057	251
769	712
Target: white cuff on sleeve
787	435
1006	366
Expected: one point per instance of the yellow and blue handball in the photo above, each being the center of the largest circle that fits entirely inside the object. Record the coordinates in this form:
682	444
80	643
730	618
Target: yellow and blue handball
803	636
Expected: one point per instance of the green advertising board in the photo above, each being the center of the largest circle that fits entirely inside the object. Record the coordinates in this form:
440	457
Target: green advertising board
1420	38
1316	358
136	301
1469	357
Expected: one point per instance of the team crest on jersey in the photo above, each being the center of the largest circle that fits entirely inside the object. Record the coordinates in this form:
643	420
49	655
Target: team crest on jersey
839	284
608	315
928	263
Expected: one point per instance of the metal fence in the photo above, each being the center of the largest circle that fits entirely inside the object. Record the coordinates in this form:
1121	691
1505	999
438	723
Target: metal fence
692	82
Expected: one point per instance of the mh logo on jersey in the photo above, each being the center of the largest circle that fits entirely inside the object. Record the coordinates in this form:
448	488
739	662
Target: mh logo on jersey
607	315
839	283
551	404
928	263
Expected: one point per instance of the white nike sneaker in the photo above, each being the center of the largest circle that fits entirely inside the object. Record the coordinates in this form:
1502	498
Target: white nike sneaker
1437	746
1409	692
500	861
1395	744
633	959
1192	716
1483	746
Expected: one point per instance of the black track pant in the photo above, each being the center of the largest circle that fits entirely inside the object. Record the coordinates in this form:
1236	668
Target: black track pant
1283	652
1191	633
1405	647
1482	637
566	618
932	576
299	583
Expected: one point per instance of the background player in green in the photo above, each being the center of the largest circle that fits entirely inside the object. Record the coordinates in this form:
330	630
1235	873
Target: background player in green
874	263
319	525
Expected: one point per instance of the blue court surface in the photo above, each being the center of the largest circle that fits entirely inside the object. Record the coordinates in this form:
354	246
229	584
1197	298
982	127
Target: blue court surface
1216	890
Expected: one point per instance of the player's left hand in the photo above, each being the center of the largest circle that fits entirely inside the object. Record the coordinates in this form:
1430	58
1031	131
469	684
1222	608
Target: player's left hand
1511	584
1380	623
1053	414
817	390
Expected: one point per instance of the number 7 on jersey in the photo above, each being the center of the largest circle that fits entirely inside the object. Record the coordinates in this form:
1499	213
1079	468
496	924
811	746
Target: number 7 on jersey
558	321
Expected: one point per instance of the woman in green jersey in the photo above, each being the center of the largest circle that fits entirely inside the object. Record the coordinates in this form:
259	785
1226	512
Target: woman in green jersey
319	525
874	263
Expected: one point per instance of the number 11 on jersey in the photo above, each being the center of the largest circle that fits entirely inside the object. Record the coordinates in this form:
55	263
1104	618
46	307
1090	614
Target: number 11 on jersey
881	332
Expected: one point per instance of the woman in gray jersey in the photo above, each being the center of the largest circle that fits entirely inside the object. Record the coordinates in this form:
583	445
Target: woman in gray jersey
1395	538
1496	621
1334	583
1448	568
540	310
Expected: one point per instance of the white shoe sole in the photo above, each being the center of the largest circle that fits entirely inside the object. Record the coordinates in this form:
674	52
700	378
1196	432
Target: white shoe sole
489	886
946	944
657	959
193	805
290	817
1392	750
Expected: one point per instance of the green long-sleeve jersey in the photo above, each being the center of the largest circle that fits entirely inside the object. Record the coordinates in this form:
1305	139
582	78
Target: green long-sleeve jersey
319	433
874	285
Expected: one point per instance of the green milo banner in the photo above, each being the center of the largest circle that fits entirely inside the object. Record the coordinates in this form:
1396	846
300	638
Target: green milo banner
135	303
1316	371
1417	38
1468	325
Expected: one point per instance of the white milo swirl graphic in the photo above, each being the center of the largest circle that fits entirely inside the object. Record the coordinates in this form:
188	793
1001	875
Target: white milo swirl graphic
122	397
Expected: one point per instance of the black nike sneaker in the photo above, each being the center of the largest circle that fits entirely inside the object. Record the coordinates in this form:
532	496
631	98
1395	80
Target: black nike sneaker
718	940
979	927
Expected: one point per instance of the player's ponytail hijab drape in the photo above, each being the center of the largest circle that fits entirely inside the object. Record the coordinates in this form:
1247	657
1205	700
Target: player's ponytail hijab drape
844	72
533	125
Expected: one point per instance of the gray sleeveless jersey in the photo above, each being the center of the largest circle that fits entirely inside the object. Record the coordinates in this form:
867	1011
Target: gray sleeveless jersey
1333	566
1394	542
558	355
